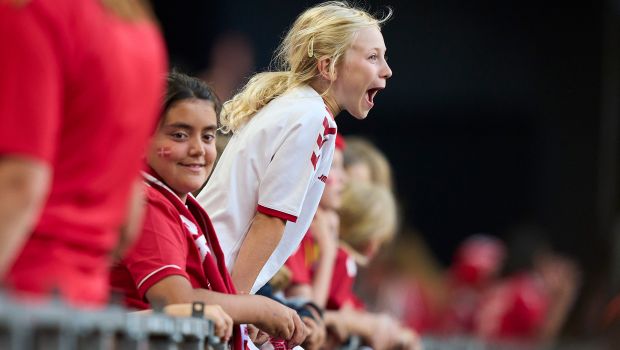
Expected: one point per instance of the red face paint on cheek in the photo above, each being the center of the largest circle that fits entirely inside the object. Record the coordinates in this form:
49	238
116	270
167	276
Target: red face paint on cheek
164	152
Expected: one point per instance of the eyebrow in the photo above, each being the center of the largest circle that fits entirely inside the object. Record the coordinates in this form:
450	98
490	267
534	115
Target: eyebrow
360	48
189	127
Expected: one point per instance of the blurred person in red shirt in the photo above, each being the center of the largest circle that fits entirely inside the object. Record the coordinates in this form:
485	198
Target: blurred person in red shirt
80	92
531	301
475	267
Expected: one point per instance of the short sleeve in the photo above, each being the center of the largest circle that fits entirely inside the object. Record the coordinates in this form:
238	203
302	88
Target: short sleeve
289	174
161	249
30	84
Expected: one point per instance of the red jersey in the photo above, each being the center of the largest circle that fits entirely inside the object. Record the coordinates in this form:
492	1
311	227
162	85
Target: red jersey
515	309
302	265
80	90
177	239
303	262
343	278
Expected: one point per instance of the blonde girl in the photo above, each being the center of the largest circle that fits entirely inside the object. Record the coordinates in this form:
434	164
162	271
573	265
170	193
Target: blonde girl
269	181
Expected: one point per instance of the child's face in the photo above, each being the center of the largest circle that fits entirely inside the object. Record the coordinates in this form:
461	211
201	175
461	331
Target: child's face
182	151
362	72
332	194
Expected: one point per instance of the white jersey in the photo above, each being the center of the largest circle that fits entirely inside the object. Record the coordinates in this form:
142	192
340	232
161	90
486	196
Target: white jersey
276	164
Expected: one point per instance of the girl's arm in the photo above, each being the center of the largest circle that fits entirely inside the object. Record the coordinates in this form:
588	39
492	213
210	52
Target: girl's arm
261	240
222	322
325	231
270	316
132	224
24	185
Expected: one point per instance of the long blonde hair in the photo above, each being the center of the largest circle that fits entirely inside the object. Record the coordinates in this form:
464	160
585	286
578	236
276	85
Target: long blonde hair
326	30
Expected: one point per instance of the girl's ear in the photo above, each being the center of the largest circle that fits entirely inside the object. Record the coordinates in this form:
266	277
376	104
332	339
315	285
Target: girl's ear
325	69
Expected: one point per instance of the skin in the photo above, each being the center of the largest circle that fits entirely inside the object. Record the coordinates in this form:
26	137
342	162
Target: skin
182	153
24	184
362	69
182	150
259	243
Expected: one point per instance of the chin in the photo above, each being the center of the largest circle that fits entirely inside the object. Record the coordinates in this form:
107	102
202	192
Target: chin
360	115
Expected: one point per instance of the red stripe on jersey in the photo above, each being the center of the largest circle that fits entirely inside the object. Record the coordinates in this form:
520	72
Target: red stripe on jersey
314	159
330	131
319	141
276	213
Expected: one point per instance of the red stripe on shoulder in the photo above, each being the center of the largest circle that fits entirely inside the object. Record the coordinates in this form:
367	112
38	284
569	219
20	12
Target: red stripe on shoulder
276	213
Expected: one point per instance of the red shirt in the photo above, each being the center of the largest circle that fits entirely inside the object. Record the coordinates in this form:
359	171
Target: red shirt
80	91
343	278
302	265
515	309
177	239
302	262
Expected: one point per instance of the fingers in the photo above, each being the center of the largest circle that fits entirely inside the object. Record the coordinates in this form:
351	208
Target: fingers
252	332
229	325
316	334
222	322
261	338
299	332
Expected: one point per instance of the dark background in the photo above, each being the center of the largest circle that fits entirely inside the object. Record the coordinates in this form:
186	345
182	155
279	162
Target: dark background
499	113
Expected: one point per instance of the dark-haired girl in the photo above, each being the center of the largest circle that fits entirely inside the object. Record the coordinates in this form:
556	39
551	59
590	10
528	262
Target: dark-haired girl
177	258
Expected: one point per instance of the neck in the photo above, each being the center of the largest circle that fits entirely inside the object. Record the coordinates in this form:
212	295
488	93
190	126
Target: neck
321	86
331	104
182	196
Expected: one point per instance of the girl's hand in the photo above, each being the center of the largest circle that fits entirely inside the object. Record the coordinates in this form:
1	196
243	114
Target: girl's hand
222	322
280	321
316	334
257	336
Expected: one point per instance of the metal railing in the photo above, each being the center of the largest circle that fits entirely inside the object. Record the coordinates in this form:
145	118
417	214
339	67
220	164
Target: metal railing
57	326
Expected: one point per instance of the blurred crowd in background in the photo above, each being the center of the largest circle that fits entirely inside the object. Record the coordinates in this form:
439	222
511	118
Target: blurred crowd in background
472	224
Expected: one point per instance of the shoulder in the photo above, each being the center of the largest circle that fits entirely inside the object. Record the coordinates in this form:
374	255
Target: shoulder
158	206
300	105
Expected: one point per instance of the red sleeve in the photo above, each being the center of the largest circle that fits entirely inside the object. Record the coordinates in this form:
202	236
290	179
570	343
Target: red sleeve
161	249
276	213
30	83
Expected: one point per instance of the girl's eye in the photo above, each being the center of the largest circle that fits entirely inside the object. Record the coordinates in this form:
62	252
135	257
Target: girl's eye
178	136
208	137
373	57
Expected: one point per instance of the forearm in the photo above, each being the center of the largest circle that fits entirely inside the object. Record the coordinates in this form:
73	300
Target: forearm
241	308
132	225
352	322
261	240
23	188
177	290
323	277
360	323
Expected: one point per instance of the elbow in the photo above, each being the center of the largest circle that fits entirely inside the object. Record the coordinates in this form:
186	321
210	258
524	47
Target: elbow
24	184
